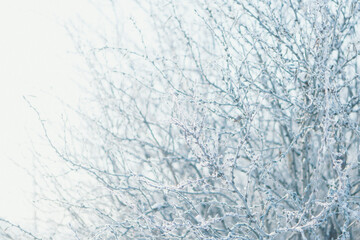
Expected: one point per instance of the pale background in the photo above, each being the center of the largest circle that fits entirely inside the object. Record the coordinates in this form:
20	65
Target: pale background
36	61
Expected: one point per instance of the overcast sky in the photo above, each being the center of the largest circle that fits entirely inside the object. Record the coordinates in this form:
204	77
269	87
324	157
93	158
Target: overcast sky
36	62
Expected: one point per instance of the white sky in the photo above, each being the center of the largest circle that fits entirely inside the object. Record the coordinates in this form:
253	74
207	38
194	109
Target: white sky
34	60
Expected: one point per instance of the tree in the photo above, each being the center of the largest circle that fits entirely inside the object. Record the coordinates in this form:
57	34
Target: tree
216	120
